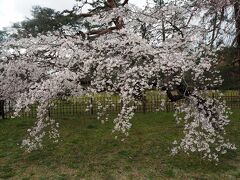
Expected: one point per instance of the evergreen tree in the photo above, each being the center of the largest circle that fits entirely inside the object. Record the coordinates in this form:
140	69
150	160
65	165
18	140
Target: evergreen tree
44	20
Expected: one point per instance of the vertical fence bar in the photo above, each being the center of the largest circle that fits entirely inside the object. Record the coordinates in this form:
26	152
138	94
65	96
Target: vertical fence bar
2	112
144	102
91	106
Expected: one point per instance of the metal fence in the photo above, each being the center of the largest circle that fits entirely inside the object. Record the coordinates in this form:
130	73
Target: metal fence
75	106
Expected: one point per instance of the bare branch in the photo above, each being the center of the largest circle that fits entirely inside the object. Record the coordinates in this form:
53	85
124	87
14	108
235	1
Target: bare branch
125	2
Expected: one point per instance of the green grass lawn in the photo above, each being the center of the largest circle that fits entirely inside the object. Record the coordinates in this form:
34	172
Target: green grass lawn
88	150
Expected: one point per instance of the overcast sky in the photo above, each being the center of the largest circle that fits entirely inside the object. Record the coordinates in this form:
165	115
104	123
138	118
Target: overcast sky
17	10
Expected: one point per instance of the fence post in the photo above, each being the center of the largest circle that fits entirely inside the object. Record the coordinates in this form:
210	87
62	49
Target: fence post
144	104
167	104
213	96
91	106
121	104
2	113
49	112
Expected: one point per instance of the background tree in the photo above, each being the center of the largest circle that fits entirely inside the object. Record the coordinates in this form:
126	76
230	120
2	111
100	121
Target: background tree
44	20
3	35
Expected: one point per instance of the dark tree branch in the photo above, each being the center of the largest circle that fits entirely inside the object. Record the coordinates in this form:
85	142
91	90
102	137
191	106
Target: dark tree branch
125	2
182	90
176	28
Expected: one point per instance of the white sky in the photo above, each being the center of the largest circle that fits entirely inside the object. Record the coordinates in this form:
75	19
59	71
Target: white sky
17	10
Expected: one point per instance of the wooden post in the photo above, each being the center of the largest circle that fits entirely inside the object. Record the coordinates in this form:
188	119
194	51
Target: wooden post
91	106
144	103
2	113
121	104
49	112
